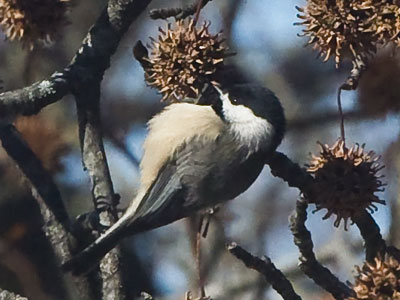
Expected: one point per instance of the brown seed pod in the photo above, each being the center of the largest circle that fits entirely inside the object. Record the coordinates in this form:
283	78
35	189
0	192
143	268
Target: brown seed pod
379	280
346	180
350	28
32	21
183	59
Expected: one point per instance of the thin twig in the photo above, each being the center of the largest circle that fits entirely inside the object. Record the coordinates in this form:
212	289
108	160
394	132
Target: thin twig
339	103
265	267
351	83
198	9
308	262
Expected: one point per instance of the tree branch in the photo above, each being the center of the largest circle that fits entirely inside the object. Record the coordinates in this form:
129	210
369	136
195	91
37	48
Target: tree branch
87	69
308	262
44	190
265	267
370	231
95	163
295	176
30	100
177	13
32	168
90	62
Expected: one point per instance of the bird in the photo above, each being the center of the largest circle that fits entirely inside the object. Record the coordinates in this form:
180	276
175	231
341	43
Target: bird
196	156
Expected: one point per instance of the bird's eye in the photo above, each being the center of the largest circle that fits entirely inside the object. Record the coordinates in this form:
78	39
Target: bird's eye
234	101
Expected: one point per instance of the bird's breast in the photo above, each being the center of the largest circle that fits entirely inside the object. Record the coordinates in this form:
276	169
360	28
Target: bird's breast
176	125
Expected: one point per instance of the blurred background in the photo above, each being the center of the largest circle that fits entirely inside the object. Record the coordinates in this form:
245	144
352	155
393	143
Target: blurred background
161	262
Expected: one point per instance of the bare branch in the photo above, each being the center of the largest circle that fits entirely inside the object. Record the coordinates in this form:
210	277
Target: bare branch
95	163
308	262
32	168
30	100
373	241
295	176
177	13
48	197
90	62
265	267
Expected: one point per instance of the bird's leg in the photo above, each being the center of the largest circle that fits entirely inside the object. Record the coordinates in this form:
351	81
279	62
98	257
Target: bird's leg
198	256
202	231
208	213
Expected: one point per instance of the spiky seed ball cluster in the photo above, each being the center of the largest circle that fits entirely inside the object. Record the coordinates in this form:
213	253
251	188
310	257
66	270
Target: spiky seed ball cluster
356	28
379	280
183	59
32	21
346	180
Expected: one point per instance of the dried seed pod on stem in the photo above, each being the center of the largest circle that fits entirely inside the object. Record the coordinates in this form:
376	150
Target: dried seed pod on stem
355	29
378	280
33	21
183	59
346	180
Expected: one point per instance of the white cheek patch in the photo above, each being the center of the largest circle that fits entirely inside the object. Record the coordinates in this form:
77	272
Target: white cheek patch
251	130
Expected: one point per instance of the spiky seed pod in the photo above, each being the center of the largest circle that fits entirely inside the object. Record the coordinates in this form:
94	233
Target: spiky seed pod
379	280
32	21
350	28
346	180
183	59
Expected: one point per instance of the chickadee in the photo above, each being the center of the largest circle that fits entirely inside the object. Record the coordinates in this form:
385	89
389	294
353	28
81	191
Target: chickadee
196	156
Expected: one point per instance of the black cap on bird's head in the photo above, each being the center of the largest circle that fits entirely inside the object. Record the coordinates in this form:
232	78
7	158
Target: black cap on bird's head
233	86
224	78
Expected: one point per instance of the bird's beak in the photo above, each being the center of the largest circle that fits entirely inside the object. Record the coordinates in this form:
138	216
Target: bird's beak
211	95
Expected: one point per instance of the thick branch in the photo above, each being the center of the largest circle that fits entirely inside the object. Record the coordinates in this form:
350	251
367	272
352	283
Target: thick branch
178	13
281	166
90	62
30	100
44	190
93	58
95	162
373	241
295	176
265	267
308	262
32	168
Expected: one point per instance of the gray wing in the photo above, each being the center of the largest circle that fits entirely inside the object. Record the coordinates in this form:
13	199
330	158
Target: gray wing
201	174
162	204
176	185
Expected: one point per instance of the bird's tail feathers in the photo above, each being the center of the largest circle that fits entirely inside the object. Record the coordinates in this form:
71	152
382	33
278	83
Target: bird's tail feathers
91	255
